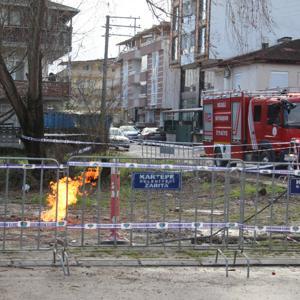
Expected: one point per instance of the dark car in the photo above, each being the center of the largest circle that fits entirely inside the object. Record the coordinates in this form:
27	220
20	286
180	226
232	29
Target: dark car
153	134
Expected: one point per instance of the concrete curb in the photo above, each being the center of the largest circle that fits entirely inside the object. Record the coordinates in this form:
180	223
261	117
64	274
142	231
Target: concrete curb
209	262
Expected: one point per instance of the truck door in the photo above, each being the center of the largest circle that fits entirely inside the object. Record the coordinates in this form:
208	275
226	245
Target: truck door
237	126
208	125
274	122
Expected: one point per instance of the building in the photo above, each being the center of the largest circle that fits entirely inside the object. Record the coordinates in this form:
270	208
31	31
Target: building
86	79
56	42
149	85
203	32
189	47
275	67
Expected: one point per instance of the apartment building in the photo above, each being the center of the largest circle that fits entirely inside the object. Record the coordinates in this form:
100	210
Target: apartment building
86	79
56	42
149	85
189	47
206	32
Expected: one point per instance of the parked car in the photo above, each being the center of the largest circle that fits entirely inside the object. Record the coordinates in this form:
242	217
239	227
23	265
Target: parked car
153	134
130	131
118	139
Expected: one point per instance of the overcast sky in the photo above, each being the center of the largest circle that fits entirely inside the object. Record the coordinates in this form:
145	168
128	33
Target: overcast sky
88	40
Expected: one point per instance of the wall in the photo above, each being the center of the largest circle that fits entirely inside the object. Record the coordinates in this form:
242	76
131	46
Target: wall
286	22
171	79
254	77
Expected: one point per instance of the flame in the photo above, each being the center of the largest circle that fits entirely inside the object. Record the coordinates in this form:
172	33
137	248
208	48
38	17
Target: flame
65	192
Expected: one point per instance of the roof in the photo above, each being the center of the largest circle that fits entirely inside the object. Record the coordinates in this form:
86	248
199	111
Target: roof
284	53
163	24
51	5
58	6
78	62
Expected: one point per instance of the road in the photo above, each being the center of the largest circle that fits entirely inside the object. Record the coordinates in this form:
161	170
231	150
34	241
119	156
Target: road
167	151
149	283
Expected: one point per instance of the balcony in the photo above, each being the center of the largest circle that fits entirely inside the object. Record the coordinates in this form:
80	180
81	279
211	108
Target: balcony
52	91
58	40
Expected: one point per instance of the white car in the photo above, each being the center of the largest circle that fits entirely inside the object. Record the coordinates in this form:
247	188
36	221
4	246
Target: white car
118	139
130	131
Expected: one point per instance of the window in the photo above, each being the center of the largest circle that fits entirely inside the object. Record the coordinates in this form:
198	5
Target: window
125	84
187	8
237	81
150	118
144	65
175	49
154	79
203	10
189	80
257	113
19	72
202	40
279	80
143	87
274	114
3	16
16	68
15	18
175	23
86	67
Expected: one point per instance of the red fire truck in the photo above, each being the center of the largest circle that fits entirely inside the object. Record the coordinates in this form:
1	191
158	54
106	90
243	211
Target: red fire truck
255	127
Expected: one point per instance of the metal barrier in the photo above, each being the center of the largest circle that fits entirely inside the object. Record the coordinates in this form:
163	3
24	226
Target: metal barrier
23	192
170	150
157	203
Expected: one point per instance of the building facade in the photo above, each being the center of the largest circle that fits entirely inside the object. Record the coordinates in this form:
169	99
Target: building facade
56	42
149	85
271	68
208	31
86	79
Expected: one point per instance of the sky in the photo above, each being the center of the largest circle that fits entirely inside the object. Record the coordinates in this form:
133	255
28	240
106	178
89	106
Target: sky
88	40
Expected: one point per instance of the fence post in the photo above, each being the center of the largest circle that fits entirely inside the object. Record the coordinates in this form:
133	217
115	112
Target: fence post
115	201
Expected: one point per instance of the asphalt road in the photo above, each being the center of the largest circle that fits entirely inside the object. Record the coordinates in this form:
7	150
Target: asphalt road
149	283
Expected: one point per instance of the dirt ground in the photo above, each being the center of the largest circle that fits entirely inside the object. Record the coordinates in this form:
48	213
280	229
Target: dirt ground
149	283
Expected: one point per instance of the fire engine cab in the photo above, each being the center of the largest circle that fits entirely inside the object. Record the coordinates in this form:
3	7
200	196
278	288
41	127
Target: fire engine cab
256	127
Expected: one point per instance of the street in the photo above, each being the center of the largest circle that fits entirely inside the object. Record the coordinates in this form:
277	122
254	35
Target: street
149	283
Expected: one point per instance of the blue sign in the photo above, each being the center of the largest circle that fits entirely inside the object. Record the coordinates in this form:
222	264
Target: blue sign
156	181
294	188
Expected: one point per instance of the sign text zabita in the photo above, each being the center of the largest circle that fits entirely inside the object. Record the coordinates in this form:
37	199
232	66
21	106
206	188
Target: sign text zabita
156	181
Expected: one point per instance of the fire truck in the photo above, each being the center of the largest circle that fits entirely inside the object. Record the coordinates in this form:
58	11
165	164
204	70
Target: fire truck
250	126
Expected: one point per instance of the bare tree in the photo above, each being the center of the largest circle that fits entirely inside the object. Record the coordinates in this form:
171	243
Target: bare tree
33	34
242	16
29	109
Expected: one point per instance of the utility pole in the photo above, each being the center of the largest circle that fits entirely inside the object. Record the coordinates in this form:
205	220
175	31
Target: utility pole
108	26
103	130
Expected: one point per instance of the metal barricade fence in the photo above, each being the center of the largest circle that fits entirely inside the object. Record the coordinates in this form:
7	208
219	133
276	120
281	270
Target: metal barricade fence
23	198
171	150
134	202
152	212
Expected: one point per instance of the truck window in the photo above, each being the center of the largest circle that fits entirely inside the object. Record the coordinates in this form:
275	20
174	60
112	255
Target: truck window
257	113
274	114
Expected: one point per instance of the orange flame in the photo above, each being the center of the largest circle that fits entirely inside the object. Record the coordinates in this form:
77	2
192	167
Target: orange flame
65	192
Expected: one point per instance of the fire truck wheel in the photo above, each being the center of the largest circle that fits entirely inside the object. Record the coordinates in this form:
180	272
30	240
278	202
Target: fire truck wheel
266	156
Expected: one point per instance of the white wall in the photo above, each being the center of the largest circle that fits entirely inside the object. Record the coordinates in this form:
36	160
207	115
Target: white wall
286	22
254	77
171	77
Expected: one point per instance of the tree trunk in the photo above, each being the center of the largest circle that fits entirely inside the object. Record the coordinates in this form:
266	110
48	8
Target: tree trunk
29	110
